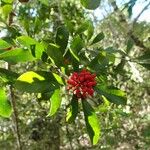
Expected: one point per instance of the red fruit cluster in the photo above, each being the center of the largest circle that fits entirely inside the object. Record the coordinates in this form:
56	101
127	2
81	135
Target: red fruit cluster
82	84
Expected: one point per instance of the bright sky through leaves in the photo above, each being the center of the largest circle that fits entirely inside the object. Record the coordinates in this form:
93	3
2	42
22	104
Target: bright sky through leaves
140	4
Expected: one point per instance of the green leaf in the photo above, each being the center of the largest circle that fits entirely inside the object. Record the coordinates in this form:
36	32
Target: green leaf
71	58
8	1
92	122
98	38
83	27
62	37
45	2
5	106
90	4
4	45
35	47
100	62
55	102
130	45
73	110
130	6
70	25
76	45
113	95
45	96
105	106
7	75
90	30
145	65
17	55
25	23
58	78
36	82
144	60
74	54
37	25
6	9
55	54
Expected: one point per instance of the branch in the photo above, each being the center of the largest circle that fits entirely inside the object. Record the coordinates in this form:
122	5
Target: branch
122	20
138	42
135	20
122	17
15	116
15	112
12	97
130	34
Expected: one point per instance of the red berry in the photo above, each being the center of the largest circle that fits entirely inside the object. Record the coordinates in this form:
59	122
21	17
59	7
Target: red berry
82	83
72	82
90	92
91	83
88	77
81	78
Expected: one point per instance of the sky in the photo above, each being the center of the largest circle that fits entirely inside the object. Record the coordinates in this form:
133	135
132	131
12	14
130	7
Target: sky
140	4
138	7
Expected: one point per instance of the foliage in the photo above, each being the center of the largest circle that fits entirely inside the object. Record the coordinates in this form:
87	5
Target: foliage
45	44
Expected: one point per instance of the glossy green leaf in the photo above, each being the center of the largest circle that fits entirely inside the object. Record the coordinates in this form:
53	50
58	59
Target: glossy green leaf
83	27
92	122
90	4
62	37
8	1
35	47
100	62
26	25
90	30
73	110
113	95
4	45
37	25
76	45
5	106
55	102
58	78
7	9
144	60
98	38
55	54
130	45
105	105
36	82
17	55
45	96
74	54
7	75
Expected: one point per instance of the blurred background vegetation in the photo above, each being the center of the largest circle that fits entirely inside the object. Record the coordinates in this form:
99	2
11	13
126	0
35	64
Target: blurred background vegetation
123	127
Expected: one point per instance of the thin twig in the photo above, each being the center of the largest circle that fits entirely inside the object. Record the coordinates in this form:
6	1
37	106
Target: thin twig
135	20
15	118
15	112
